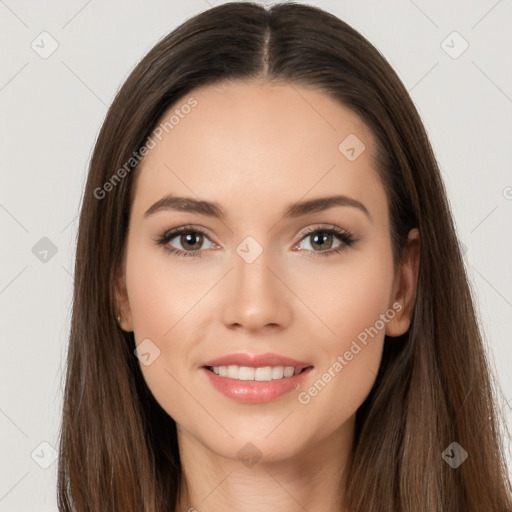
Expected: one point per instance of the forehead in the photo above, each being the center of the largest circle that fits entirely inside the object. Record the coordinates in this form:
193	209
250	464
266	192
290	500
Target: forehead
244	142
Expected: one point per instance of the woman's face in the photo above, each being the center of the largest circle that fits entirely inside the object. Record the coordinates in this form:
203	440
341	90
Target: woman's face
263	277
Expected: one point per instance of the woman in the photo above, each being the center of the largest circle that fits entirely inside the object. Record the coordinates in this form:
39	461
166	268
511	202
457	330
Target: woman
270	307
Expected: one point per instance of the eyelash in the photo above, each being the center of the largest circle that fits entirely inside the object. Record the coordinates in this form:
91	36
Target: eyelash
345	236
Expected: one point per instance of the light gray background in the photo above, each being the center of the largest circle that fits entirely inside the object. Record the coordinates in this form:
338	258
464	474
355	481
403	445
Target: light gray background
50	113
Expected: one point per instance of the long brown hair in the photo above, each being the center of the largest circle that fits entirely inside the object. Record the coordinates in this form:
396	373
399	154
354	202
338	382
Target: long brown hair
118	447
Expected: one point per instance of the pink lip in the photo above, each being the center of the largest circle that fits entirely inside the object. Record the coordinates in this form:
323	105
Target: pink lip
255	392
255	361
252	391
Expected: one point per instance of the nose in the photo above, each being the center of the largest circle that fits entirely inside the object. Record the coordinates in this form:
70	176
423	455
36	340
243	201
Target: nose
256	296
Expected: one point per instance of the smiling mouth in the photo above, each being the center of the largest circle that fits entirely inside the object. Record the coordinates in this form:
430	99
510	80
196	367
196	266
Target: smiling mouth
258	374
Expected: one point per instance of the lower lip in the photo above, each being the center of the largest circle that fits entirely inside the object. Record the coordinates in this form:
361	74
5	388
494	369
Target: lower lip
253	391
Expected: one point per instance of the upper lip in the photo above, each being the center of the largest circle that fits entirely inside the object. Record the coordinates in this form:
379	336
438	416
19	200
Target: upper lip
256	360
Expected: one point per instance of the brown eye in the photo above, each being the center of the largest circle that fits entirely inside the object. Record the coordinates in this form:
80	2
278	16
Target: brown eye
321	240
191	241
326	241
184	241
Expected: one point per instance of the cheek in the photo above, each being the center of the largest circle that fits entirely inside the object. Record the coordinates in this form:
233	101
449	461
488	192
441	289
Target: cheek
350	302
163	303
161	290
362	296
349	295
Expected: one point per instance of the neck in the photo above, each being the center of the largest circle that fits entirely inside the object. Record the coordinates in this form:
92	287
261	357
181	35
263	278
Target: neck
312	479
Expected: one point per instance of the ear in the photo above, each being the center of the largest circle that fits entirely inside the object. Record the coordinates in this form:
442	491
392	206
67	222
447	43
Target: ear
405	286
122	303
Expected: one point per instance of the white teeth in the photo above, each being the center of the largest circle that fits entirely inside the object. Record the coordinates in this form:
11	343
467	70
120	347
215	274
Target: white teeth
277	372
265	373
246	373
289	371
233	371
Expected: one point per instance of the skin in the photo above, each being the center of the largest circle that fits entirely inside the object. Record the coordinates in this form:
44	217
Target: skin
255	148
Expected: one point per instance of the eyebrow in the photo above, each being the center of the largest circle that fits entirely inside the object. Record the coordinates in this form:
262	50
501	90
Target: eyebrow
213	209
